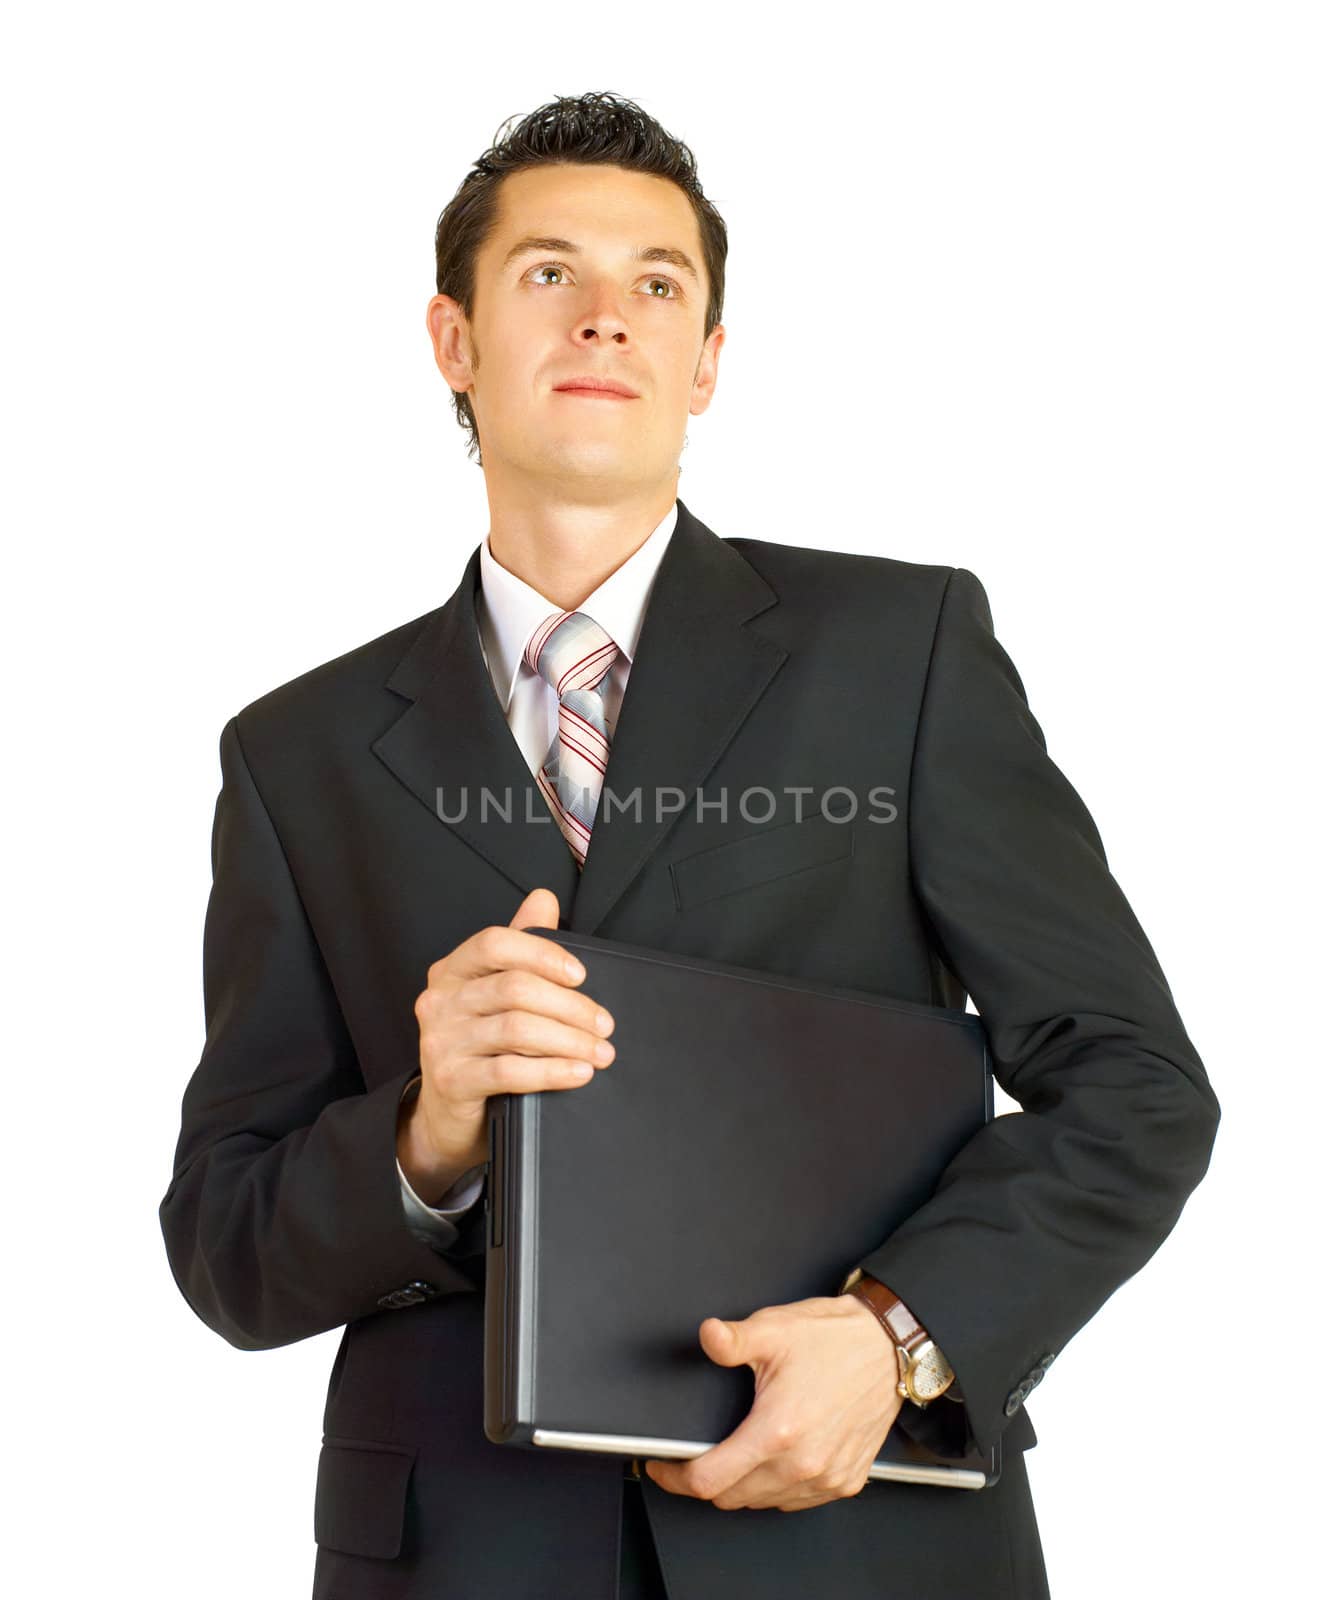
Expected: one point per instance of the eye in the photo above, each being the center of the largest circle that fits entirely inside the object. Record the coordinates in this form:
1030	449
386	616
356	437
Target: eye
676	294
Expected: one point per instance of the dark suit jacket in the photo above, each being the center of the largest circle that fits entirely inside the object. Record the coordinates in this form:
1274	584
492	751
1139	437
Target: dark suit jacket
336	885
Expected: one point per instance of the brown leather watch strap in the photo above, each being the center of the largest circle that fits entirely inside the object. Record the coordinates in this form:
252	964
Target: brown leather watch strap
909	1338
900	1326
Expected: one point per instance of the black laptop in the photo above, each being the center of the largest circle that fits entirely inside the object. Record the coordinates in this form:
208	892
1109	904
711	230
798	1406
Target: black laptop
754	1137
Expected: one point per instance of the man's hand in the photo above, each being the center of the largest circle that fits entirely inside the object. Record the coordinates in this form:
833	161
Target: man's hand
825	1398
500	1015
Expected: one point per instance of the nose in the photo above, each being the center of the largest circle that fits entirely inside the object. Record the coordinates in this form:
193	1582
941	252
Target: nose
601	328
604	319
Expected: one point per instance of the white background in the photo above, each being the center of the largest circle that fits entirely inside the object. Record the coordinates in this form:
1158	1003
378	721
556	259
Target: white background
1031	289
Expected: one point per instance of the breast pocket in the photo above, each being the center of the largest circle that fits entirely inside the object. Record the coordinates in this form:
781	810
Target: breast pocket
761	857
359	1503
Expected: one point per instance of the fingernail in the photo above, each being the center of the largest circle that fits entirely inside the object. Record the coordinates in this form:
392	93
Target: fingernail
574	969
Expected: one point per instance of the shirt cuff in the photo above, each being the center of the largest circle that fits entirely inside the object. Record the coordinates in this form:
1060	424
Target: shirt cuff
439	1225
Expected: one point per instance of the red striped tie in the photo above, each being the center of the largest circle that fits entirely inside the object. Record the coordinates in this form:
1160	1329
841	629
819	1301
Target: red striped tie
573	654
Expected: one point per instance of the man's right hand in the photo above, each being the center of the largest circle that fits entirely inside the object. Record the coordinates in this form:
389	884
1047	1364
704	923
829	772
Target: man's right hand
500	1015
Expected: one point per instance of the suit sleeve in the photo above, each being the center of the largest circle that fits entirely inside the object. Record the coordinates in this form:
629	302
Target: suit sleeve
1047	1210
283	1216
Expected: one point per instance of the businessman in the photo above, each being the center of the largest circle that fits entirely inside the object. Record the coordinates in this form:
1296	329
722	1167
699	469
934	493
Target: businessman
549	747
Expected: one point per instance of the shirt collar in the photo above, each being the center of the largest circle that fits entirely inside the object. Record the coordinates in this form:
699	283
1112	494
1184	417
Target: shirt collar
509	609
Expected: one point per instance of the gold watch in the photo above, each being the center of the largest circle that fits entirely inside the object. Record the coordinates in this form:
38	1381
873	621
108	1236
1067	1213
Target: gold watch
923	1370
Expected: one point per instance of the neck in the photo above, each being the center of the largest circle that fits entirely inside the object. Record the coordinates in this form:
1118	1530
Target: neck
565	548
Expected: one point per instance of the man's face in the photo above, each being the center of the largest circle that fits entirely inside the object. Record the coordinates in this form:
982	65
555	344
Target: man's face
590	305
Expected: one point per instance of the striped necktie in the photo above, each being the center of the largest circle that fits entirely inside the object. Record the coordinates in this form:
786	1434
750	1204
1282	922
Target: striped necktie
573	654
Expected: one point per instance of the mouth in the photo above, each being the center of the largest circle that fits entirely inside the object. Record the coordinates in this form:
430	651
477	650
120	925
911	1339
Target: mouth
596	389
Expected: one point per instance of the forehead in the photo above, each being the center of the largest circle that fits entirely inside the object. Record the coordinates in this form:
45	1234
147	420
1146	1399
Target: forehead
600	207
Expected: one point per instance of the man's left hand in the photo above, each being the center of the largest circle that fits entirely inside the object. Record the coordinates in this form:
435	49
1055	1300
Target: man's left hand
825	1398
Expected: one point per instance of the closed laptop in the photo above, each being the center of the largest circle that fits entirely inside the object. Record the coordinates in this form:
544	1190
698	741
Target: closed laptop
754	1137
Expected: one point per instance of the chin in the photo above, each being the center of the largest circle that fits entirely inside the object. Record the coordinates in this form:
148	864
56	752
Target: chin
583	458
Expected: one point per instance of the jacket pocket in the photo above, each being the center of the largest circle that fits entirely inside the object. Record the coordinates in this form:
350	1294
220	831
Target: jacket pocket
760	857
359	1506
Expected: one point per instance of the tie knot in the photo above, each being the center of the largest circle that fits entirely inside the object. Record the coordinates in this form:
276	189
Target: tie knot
570	651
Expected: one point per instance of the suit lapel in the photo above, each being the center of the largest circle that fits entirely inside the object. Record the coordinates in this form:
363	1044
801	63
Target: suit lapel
697	674
452	747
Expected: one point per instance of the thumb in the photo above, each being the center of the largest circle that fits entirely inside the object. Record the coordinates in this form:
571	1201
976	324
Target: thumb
724	1342
538	909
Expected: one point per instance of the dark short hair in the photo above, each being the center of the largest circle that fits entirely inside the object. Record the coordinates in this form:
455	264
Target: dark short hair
588	129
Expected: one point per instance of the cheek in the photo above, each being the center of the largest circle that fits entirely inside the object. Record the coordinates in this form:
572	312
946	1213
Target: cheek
511	368
519	342
687	352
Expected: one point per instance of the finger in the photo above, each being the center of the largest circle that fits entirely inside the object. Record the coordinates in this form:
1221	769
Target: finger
672	1476
795	1505
494	1075
790	1501
751	1446
495	948
539	909
733	1344
764	1489
775	1486
528	1033
517	989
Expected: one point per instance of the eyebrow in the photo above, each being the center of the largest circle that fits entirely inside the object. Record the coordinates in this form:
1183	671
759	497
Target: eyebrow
654	252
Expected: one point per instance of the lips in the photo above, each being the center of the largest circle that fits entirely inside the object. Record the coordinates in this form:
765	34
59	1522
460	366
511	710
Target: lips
599	388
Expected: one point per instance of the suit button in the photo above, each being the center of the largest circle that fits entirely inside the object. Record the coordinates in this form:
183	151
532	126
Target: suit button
1036	1373
1047	1361
410	1295
1012	1404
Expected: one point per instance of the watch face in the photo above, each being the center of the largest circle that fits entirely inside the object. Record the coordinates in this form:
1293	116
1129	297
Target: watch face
930	1375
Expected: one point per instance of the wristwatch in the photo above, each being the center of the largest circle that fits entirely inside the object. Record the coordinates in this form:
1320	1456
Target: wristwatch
923	1370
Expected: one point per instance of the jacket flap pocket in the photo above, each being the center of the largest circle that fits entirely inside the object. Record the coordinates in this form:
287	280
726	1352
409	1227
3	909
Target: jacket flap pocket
761	856
359	1505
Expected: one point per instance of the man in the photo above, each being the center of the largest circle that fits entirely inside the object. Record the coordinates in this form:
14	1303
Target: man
392	823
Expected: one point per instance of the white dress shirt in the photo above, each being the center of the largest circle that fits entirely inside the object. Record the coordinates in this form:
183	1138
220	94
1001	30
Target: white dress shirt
508	612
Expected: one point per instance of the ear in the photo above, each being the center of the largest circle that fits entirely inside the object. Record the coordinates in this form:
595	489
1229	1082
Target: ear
448	328
706	373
